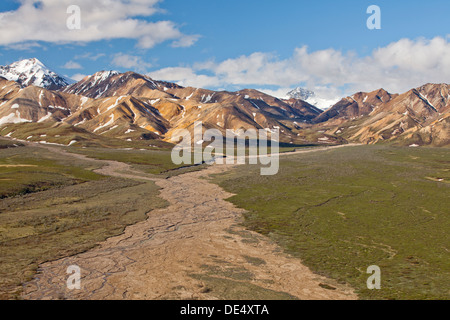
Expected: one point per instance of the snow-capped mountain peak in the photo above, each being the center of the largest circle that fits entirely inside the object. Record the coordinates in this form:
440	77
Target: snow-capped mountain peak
301	93
98	83
103	75
312	98
33	72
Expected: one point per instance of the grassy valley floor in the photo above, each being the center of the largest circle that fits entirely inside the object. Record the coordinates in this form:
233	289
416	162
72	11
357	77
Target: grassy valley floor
53	205
346	209
338	210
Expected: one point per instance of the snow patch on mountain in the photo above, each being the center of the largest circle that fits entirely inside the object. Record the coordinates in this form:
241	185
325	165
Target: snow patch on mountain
98	79
102	76
13	118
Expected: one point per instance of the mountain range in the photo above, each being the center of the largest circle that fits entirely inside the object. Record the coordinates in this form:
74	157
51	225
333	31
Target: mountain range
133	107
420	116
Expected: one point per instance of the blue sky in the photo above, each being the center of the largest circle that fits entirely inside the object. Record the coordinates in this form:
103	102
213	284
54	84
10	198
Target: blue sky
208	38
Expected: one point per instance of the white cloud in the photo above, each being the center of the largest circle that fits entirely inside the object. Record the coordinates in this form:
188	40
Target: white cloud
398	67
28	46
72	65
185	41
186	77
90	56
130	62
103	19
78	77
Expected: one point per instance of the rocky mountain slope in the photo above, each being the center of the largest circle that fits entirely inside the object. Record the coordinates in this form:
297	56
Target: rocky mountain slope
359	104
420	116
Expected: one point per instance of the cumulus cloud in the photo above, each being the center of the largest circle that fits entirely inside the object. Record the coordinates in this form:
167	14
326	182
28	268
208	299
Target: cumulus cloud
130	62
72	65
185	41
90	56
25	46
78	77
397	67
46	20
186	76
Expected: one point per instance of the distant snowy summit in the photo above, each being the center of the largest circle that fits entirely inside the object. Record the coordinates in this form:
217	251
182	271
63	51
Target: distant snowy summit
301	93
311	97
33	72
